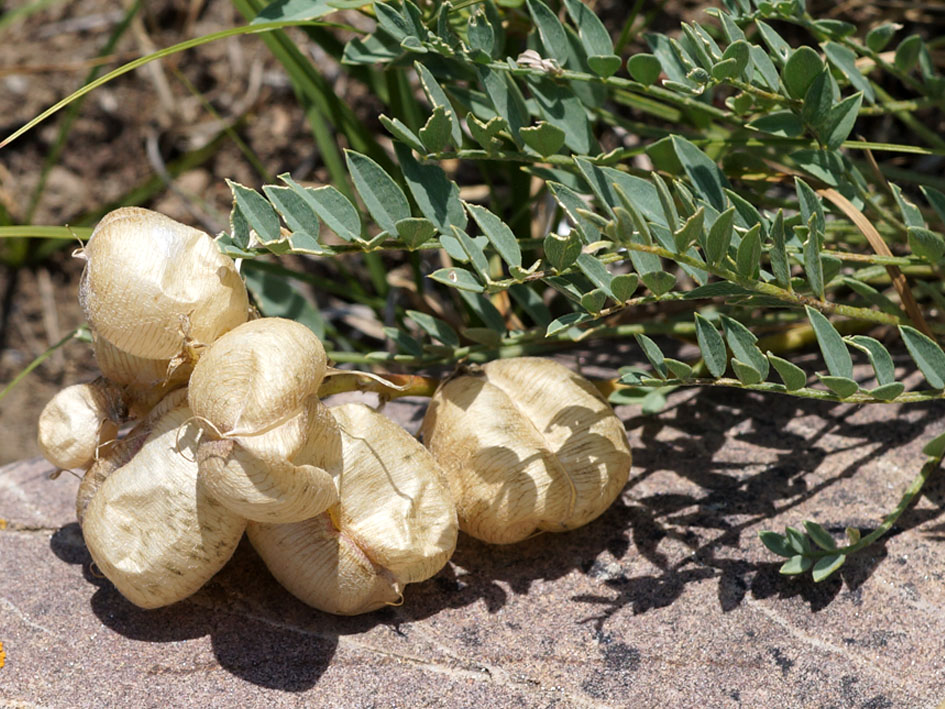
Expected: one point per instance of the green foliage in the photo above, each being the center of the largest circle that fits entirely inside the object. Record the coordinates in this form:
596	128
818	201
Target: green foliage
760	211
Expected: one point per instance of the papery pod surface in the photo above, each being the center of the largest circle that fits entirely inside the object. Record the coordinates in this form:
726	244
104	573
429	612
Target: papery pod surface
150	283
77	420
282	475
151	528
527	446
257	376
394	524
122	451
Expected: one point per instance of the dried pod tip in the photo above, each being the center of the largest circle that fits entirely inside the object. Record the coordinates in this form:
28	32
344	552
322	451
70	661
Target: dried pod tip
77	420
257	376
527	446
151	283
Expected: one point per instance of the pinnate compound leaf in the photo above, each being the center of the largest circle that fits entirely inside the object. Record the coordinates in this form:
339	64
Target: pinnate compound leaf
794	377
382	196
927	354
826	565
712	346
834	349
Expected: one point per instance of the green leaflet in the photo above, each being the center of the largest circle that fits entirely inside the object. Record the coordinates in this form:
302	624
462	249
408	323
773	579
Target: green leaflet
435	328
712	346
332	207
301	219
709	181
834	349
259	214
384	199
498	233
435	194
551	31
927	354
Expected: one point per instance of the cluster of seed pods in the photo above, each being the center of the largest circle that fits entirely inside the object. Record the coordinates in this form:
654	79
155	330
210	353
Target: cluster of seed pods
227	434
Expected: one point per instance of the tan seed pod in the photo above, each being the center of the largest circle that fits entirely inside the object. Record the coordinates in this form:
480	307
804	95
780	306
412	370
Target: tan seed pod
79	419
395	523
257	376
121	452
527	446
151	528
145	381
151	283
282	475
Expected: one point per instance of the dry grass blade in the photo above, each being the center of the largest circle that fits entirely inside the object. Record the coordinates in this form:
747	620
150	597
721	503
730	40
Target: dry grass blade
879	246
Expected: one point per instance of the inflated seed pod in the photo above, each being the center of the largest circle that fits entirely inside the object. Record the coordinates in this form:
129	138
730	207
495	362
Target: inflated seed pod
150	284
257	376
269	442
144	381
527	446
151	528
395	523
122	451
282	475
79	419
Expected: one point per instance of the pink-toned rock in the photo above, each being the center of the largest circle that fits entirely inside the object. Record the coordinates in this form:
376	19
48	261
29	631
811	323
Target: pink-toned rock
667	600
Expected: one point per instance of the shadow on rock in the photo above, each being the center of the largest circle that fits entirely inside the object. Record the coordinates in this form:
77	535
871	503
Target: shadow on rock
250	644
